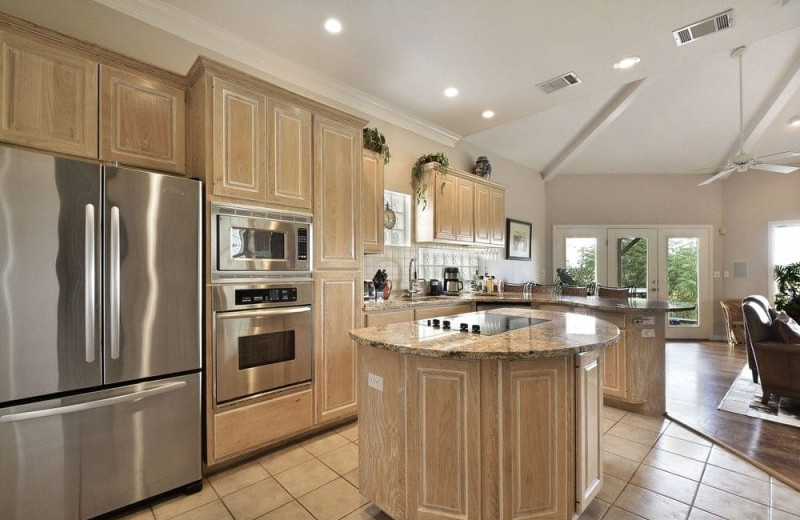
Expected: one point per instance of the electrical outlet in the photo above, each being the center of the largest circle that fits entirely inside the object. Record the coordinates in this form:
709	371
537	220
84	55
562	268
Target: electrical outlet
648	333
375	382
717	275
726	274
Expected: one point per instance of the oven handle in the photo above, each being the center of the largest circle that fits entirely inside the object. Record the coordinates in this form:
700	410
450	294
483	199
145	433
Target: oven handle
264	312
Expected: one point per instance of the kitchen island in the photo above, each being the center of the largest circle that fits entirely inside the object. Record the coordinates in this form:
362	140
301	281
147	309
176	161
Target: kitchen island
482	426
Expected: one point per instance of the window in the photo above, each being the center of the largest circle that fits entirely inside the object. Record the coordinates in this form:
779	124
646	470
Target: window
581	255
784	247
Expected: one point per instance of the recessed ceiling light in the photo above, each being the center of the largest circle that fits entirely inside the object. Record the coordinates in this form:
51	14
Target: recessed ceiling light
627	62
333	26
451	92
488	114
795	121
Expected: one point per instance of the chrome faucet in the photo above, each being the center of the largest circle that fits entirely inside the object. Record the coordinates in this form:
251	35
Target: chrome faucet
412	280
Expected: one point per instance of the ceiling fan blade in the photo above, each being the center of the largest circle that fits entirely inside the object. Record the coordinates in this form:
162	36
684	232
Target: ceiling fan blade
779	156
721	175
777	168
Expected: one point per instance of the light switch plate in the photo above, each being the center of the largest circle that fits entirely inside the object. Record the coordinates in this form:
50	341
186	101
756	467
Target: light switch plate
375	382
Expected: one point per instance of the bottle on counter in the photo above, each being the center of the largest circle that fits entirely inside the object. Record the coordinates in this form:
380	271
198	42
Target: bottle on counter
490	284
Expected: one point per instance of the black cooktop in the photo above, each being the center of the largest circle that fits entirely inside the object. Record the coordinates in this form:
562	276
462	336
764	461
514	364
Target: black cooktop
483	323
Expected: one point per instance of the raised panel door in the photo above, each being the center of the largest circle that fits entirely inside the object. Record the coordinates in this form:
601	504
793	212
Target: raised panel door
337	192
240	145
372	202
141	120
445	215
497	210
289	175
337	310
465	208
49	98
589	429
614	369
483	215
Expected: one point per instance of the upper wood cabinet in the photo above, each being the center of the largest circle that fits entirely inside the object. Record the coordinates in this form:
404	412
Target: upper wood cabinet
142	121
497	216
239	122
289	173
482	213
465	208
372	201
443	206
49	97
337	191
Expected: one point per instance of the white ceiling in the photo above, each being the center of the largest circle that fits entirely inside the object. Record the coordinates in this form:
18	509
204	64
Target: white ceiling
394	58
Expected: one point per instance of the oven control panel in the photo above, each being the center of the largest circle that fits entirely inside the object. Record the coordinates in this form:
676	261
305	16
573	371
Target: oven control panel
270	295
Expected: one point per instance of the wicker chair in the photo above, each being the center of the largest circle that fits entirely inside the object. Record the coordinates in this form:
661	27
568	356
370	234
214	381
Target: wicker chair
572	290
543	290
620	293
734	322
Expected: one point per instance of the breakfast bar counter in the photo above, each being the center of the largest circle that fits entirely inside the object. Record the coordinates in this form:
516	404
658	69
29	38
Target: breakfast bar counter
499	424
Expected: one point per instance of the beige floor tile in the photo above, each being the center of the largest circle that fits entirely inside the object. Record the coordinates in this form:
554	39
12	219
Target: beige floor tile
653	506
674	463
368	512
737	483
212	511
349	431
291	511
139	513
333	500
619	467
257	499
324	443
676	430
284	459
777	514
725	459
665	483
785	499
608	424
180	503
683	447
306	477
634	433
237	477
352	477
343	459
614	414
699	514
656	424
729	506
625	448
615	513
612	487
595	511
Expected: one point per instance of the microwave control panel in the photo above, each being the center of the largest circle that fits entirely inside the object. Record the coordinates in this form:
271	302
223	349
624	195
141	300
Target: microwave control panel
302	243
256	296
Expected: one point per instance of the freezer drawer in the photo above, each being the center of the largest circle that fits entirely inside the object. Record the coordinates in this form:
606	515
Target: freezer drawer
85	455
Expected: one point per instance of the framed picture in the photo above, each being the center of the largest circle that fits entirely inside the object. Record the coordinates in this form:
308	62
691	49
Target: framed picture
518	239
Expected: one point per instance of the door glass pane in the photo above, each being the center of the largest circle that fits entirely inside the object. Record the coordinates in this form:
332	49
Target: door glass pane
632	264
581	255
683	278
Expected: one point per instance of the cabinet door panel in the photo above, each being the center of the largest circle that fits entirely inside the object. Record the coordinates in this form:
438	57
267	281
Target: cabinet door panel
337	191
445	223
497	217
49	98
239	121
483	220
141	121
465	208
589	432
289	155
614	369
372	202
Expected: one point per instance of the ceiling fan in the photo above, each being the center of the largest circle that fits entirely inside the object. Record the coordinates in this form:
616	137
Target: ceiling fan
745	161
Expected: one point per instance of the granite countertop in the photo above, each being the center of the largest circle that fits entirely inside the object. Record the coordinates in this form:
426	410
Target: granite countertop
562	335
592	302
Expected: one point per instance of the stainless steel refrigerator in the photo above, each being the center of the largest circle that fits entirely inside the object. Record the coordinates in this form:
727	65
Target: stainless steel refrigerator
100	346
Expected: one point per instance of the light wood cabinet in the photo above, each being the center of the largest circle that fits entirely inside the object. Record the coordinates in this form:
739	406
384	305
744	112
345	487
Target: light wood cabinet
424	313
49	97
465	208
444	203
497	216
615	358
337	310
289	173
589	428
483	215
142	121
239	127
372	201
387	318
337	190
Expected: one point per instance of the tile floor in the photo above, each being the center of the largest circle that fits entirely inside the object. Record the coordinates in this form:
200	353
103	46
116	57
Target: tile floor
655	470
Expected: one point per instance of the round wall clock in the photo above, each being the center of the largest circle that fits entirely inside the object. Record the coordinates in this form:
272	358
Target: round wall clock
389	218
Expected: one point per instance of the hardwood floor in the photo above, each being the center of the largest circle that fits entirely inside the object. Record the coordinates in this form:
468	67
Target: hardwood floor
698	376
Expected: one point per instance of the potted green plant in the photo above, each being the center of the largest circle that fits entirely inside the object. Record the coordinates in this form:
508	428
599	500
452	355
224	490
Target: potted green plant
437	161
376	142
787	298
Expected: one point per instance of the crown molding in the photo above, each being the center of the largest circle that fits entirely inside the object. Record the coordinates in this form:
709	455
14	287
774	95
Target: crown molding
273	67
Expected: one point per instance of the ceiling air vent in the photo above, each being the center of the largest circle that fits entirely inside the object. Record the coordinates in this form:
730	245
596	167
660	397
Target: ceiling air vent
718	22
563	81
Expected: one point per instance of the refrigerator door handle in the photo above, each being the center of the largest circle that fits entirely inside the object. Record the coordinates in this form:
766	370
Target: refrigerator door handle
113	281
91	405
89	287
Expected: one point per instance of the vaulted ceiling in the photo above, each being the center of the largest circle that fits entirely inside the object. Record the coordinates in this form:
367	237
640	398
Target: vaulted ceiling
675	112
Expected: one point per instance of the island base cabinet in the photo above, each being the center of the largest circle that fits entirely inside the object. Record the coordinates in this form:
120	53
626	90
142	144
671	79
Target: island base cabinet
589	430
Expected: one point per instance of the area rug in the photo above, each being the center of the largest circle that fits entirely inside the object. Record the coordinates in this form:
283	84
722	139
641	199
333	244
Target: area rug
744	398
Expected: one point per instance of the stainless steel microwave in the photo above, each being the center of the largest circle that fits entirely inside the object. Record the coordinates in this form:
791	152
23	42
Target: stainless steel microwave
257	243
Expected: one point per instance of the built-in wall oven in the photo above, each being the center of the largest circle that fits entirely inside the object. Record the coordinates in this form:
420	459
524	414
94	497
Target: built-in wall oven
262	337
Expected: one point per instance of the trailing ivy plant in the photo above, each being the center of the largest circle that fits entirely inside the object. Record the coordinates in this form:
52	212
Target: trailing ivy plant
376	142
420	179
788	296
